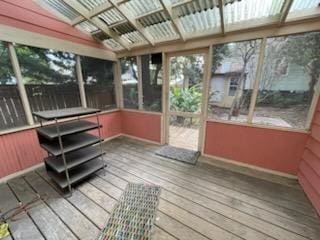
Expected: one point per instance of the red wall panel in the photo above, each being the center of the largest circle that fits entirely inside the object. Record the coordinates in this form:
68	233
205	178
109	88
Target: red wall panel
143	125
309	169
27	15
267	148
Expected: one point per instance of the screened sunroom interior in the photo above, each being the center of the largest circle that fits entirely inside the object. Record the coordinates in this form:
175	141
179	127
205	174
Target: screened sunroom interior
160	119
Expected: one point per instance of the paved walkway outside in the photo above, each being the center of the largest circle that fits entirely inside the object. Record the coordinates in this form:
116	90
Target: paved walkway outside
184	137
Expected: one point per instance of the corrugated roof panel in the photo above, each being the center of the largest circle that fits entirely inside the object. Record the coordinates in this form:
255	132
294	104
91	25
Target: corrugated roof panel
124	28
304	4
194	7
140	7
162	30
133	38
91	4
62	8
201	21
86	26
155	18
245	10
112	44
111	16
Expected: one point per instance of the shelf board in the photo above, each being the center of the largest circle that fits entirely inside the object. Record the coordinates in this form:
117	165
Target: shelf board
64	113
50	132
73	159
70	143
77	174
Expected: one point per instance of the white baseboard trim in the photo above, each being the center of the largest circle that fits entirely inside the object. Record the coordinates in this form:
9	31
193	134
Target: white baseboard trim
140	139
274	172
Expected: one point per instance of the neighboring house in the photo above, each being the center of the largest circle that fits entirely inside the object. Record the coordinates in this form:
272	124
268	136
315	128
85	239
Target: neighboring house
285	77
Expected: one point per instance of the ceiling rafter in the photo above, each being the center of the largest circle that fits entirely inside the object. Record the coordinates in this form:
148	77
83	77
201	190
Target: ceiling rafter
167	7
134	22
285	11
94	12
96	22
221	16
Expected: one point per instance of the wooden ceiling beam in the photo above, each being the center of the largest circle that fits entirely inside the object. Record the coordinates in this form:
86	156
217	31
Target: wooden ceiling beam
96	22
167	7
285	11
134	22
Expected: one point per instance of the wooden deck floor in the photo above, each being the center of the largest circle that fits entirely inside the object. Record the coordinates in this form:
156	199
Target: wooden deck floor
197	202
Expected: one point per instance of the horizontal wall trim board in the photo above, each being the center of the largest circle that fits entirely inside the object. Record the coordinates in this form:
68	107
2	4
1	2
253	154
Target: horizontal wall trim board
17	35
260	126
28	127
249	166
141	111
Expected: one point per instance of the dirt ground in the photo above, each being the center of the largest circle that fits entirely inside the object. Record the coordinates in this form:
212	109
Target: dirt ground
287	117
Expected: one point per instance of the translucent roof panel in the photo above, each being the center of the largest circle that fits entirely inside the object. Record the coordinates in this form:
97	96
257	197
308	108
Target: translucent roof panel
62	8
133	38
112	44
201	21
154	18
86	26
91	4
162	31
194	7
298	5
246	10
141	7
111	16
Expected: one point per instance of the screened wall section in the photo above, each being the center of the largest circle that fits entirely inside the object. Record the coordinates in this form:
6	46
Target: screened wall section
49	77
11	108
98	79
151	74
129	78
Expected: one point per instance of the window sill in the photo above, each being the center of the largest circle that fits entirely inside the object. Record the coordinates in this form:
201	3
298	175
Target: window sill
254	125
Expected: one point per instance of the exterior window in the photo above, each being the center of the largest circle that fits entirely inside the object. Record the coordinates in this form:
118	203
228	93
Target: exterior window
98	78
290	73
49	78
11	109
152	81
129	77
233	73
233	86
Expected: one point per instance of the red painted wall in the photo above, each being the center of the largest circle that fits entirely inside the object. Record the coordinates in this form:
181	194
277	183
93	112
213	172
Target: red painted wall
142	125
27	15
267	148
21	150
309	169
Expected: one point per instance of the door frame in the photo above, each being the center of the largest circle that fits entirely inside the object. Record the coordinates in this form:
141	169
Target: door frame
204	101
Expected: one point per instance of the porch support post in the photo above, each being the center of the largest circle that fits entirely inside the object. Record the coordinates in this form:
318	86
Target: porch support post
257	80
118	84
21	87
164	98
205	98
313	106
140	91
80	82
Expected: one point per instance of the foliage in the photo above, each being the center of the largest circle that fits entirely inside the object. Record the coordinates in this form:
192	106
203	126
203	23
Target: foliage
219	52
6	72
185	100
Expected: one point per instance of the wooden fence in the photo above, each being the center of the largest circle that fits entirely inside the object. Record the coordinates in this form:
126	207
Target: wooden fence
49	97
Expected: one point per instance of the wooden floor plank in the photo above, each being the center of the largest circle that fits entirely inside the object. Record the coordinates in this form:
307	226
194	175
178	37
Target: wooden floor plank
295	212
255	223
205	213
219	195
88	207
73	218
21	227
47	221
264	189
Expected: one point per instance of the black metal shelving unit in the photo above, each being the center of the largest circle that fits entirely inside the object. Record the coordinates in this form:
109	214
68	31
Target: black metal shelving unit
71	154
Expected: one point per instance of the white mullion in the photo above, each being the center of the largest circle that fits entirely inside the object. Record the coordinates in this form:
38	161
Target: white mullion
80	82
118	84
140	92
257	80
21	87
313	106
